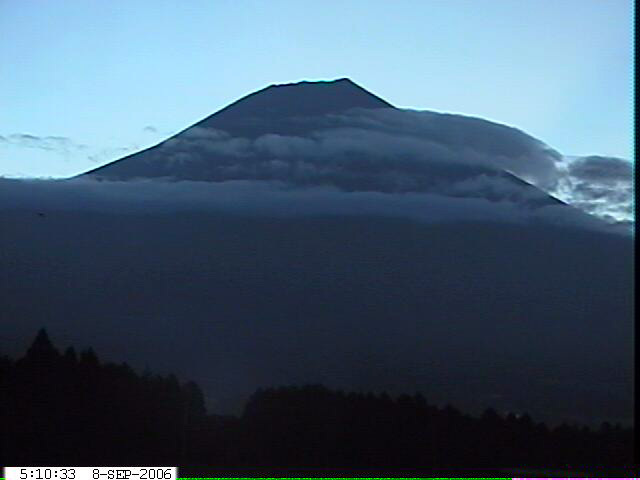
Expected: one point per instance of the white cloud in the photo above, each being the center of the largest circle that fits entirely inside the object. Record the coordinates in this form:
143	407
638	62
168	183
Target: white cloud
601	186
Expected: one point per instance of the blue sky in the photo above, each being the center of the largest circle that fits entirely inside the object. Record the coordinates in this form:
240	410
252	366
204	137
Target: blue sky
83	83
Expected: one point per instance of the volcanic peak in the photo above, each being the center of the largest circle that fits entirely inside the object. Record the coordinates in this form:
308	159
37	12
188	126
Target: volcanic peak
303	98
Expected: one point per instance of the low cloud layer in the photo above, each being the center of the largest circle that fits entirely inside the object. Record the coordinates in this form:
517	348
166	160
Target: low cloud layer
278	199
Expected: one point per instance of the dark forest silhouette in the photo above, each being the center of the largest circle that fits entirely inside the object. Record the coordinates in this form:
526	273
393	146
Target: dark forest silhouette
72	409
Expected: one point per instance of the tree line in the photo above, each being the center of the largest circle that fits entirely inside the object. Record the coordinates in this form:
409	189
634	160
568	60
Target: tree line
71	409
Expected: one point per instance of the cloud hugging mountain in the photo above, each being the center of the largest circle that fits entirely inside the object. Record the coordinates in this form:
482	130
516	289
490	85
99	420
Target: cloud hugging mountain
336	134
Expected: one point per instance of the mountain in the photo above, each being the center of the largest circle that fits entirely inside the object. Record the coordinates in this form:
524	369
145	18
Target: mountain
317	234
338	134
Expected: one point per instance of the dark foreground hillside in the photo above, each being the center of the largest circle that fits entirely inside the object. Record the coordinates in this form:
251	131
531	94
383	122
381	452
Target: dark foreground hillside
531	318
69	409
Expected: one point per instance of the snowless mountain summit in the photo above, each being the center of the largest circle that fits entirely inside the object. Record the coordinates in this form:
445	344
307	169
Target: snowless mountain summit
299	99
